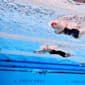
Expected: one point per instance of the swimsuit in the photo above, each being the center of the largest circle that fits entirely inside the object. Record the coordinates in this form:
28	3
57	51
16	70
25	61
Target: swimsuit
61	53
73	32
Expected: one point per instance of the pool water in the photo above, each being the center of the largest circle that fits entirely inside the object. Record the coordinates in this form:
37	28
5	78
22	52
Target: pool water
23	29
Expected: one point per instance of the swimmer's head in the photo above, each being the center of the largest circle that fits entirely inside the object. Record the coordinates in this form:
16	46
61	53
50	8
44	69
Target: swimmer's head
54	25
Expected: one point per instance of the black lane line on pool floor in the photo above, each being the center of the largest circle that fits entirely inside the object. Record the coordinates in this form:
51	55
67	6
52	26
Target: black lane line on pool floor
45	68
36	62
40	72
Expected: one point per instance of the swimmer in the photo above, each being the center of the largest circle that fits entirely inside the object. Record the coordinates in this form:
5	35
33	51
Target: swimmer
54	50
60	29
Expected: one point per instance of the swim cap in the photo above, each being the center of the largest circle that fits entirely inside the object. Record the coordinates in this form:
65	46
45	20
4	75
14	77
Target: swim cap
54	23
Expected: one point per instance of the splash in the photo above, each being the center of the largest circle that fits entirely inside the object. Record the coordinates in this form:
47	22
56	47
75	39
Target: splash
54	4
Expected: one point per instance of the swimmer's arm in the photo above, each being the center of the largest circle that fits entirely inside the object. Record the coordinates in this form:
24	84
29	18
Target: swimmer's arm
57	32
41	51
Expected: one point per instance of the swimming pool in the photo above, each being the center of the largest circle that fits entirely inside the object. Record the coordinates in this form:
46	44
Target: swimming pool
23	29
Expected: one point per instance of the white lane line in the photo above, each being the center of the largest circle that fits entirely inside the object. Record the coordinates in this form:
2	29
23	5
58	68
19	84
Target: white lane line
39	40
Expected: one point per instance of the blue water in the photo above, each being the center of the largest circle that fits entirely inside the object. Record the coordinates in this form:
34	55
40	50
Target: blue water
18	64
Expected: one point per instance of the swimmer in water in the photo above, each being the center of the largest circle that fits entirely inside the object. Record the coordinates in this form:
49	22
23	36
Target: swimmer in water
60	29
54	50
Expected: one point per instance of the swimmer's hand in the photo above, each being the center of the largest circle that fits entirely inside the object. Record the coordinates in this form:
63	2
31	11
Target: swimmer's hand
36	52
41	51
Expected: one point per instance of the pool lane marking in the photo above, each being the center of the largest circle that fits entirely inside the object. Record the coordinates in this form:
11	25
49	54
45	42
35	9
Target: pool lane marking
37	62
45	68
39	72
35	39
